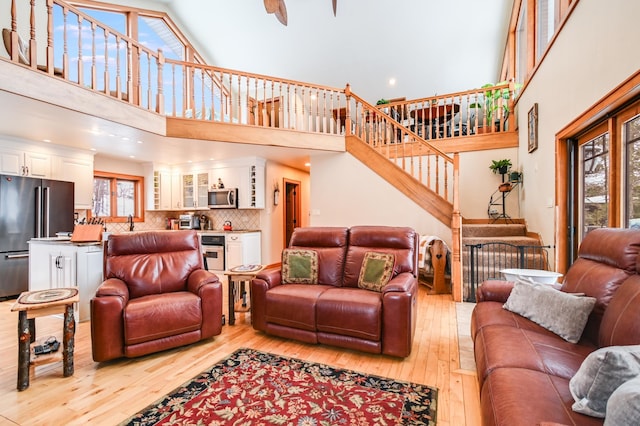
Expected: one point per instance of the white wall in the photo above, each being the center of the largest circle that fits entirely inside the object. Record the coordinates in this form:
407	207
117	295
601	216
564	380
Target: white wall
117	165
272	217
593	54
347	193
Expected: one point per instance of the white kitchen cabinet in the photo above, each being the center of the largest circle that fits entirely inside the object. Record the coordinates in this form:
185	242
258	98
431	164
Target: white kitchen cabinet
195	188
251	193
78	170
54	264
243	248
23	163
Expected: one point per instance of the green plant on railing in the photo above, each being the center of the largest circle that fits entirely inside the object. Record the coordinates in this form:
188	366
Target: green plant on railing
382	101
492	101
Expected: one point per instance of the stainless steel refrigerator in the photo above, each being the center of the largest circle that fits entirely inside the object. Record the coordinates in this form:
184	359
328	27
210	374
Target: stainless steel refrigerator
29	208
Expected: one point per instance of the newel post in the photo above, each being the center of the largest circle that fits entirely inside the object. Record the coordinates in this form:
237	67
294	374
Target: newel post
347	120
456	233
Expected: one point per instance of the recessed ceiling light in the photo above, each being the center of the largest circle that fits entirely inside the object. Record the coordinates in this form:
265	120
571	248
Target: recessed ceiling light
124	138
211	158
139	141
112	135
92	149
46	140
392	81
132	156
189	161
307	164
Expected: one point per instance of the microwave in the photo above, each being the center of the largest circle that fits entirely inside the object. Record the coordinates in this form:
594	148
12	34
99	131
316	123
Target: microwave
226	198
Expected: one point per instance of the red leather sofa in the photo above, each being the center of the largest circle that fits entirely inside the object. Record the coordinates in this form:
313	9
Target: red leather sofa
156	296
336	311
524	369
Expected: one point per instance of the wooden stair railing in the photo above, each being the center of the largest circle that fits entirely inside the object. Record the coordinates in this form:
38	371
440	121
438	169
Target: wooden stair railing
427	165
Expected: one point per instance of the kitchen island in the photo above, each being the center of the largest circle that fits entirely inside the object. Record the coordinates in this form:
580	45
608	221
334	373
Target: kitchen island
56	262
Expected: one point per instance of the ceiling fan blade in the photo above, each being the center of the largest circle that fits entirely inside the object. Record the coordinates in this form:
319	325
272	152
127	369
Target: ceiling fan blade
335	6
281	13
271	5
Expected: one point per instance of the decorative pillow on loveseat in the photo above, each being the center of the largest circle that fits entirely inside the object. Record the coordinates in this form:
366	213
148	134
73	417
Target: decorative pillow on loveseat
562	313
600	374
376	270
624	404
299	266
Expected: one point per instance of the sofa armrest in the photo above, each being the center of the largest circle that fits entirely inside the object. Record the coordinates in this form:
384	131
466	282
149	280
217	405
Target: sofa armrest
400	283
399	311
264	280
107	320
199	278
494	291
208	287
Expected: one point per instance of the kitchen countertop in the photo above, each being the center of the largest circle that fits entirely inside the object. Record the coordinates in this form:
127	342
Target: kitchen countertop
222	231
63	240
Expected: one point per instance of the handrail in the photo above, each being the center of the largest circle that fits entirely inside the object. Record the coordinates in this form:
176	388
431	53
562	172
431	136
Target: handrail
471	112
423	161
224	95
116	62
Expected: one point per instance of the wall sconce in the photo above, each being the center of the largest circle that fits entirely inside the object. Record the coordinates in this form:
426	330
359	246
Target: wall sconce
276	196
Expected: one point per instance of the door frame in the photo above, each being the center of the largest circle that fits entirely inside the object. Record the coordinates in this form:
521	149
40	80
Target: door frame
291	208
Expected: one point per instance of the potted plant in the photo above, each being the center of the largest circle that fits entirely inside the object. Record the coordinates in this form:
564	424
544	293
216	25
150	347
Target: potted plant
491	103
500	166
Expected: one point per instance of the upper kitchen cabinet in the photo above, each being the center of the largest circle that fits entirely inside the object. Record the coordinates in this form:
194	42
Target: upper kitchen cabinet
248	175
79	170
195	189
251	192
24	163
162	188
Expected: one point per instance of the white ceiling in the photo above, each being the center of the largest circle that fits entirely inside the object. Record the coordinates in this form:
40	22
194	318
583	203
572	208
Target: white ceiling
428	46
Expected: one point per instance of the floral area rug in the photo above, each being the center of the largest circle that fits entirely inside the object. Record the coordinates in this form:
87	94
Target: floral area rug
256	388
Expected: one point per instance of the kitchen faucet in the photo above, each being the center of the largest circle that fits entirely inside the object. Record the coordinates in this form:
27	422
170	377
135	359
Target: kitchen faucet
130	221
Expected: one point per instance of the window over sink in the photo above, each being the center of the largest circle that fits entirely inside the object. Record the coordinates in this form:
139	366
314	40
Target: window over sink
117	196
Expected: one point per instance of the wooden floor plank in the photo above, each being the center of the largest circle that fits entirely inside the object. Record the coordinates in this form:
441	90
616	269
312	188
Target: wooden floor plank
109	392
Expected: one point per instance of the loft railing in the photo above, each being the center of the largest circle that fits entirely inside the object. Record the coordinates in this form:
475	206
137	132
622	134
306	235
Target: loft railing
84	51
217	94
479	111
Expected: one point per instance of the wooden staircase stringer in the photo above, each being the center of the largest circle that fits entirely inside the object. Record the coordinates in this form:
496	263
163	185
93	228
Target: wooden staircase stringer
426	198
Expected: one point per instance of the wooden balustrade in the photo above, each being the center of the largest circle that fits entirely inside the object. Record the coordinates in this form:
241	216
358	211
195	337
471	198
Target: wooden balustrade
102	56
468	113
229	96
401	145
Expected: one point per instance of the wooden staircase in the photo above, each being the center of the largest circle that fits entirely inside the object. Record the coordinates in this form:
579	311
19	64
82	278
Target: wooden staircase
488	248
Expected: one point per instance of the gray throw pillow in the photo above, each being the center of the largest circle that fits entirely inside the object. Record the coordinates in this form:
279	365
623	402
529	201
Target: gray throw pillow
601	373
562	313
623	407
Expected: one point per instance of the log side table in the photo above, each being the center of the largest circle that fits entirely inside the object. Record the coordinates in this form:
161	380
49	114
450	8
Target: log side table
239	275
33	304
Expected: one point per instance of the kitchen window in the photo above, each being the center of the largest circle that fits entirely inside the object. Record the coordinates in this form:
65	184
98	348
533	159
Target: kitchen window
117	196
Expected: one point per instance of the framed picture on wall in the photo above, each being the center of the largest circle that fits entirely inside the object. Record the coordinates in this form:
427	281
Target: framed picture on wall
533	128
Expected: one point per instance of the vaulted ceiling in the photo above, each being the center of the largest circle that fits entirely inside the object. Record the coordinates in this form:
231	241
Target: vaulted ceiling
427	46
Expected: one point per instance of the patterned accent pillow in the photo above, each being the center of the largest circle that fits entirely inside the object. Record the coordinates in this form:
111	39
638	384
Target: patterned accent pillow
376	270
299	266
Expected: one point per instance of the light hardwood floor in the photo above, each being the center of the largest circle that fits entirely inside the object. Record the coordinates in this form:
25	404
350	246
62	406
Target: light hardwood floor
107	393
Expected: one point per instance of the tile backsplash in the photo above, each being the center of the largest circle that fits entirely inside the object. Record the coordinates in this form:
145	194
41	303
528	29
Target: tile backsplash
156	220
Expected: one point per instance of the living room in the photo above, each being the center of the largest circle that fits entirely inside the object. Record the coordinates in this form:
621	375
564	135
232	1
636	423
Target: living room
578	76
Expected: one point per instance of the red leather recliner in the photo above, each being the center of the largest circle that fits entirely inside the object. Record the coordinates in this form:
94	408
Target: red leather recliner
156	296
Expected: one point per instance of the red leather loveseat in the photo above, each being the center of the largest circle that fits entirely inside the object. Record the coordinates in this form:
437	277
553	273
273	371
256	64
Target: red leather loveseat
156	296
524	370
335	311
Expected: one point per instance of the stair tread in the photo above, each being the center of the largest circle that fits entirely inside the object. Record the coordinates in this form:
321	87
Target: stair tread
506	239
487	229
